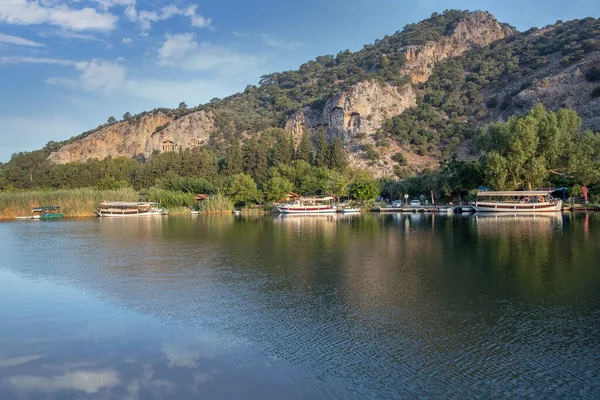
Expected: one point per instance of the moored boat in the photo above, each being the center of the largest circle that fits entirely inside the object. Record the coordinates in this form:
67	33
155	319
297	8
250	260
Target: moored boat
308	205
349	210
129	209
47	212
532	201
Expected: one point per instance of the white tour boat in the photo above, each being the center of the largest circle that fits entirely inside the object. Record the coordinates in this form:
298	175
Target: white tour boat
129	209
308	205
532	201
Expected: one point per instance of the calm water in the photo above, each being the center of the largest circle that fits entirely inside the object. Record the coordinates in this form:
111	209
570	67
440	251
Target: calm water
351	307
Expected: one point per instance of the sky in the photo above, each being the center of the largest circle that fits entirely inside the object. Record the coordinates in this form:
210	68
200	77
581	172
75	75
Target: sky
66	66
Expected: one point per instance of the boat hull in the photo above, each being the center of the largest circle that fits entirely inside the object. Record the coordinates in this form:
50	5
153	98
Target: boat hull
306	210
105	214
491	207
51	216
350	210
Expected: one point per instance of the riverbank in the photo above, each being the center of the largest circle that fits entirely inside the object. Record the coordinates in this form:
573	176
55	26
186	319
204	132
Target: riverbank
74	203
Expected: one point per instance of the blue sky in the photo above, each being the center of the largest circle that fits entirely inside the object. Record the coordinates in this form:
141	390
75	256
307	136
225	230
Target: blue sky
68	65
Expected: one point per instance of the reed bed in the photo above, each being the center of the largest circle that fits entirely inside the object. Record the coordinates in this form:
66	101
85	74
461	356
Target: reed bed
74	202
217	204
172	199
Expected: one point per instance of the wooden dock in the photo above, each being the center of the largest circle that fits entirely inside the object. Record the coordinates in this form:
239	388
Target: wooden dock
408	209
580	207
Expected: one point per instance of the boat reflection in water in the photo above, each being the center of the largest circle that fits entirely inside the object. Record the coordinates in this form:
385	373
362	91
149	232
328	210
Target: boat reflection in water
533	225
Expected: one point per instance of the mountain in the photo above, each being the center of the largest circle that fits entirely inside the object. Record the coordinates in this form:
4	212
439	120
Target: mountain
423	92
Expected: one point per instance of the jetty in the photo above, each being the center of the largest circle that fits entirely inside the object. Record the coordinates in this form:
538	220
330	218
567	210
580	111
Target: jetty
414	209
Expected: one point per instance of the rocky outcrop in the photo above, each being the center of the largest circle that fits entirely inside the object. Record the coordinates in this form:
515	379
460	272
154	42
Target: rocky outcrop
363	108
354	115
476	30
553	85
139	138
359	110
189	131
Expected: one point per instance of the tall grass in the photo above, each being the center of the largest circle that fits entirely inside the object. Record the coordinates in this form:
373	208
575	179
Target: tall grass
216	204
74	202
172	199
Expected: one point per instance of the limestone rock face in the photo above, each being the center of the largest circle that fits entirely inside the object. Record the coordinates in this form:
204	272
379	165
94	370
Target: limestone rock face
354	115
360	109
553	85
139	137
476	30
189	131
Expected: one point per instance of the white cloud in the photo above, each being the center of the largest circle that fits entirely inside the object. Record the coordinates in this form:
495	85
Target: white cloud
240	34
95	76
196	20
147	381
18	41
179	357
25	12
183	51
127	40
71	35
276	42
106	4
85	381
146	18
34	60
11	362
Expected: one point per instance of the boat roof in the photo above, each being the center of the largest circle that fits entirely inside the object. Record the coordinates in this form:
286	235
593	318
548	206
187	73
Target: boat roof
127	203
45	208
317	198
515	193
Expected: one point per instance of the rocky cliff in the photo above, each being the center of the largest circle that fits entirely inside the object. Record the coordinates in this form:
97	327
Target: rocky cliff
476	30
139	137
353	114
398	102
553	85
359	110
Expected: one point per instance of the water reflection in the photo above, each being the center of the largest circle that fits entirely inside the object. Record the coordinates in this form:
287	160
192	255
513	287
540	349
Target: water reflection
363	306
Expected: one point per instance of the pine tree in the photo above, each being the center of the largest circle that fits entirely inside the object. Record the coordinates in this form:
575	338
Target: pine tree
337	155
283	151
256	160
322	157
234	161
305	151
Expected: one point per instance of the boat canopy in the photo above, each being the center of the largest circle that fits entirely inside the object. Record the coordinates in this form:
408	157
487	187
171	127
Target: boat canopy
514	194
47	208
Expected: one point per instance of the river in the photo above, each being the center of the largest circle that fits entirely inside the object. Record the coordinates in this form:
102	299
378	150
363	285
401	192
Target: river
317	307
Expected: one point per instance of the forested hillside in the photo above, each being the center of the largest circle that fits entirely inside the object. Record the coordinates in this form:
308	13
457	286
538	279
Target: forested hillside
450	75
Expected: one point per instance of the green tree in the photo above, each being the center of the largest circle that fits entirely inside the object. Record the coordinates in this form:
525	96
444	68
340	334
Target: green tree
305	151
337	155
27	169
242	189
524	151
234	160
276	188
322	156
364	188
182	106
127	116
111	120
283	150
256	160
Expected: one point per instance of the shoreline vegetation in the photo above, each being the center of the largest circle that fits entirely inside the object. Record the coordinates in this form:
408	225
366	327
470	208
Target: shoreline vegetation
538	150
83	202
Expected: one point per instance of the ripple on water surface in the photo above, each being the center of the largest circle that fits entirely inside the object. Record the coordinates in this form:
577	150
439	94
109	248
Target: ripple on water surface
363	307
